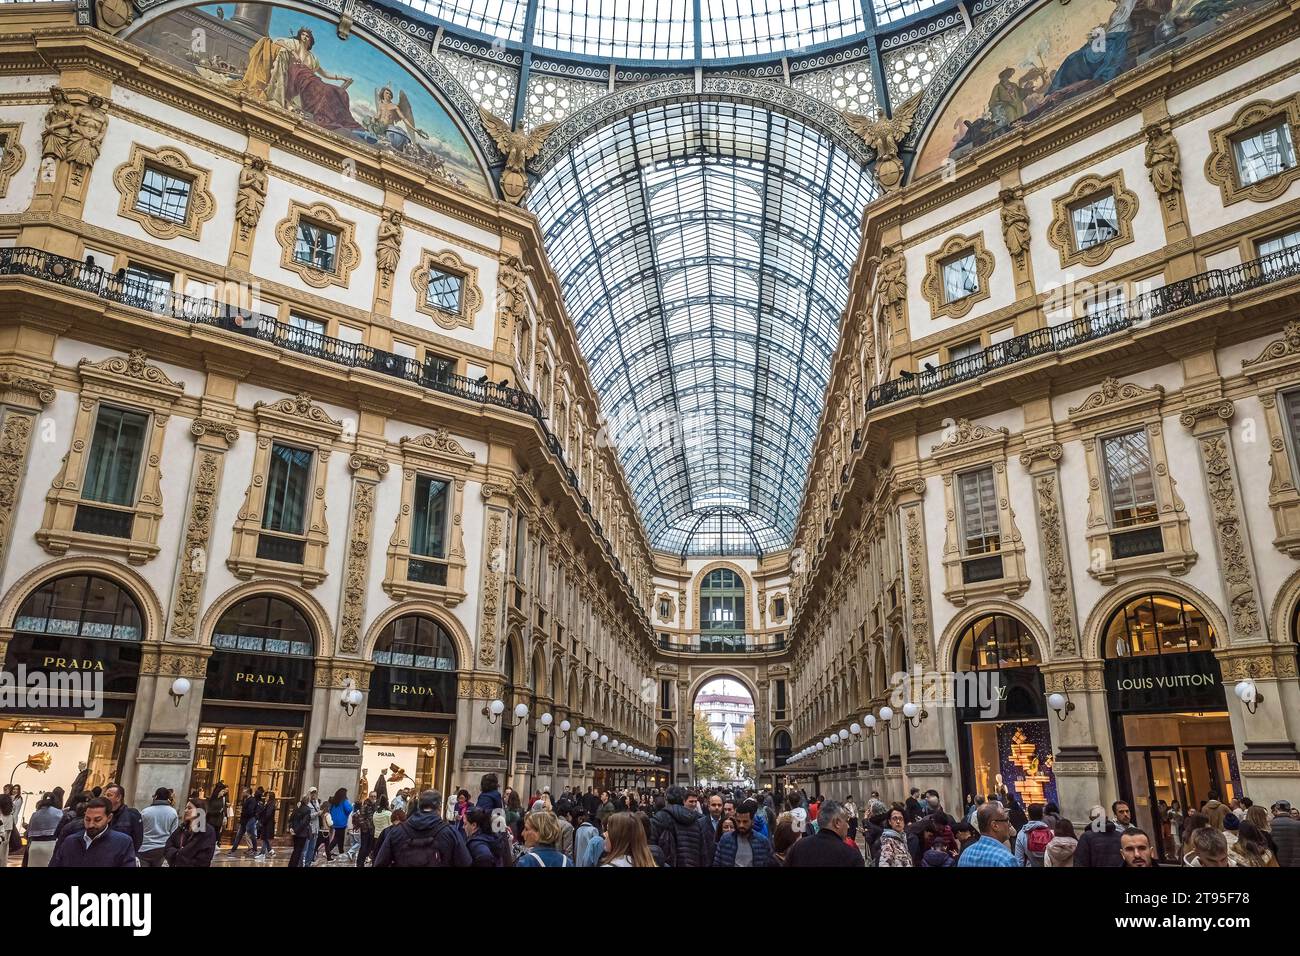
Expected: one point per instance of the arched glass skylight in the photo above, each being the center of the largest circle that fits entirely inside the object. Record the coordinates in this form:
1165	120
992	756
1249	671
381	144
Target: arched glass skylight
704	249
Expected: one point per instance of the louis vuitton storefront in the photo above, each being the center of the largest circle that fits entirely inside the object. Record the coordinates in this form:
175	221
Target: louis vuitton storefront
257	703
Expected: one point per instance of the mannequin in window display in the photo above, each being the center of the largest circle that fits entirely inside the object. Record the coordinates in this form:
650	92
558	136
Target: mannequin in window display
363	785
78	788
381	789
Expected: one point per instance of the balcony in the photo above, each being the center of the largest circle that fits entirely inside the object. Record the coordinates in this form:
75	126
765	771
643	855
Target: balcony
723	644
1194	290
118	288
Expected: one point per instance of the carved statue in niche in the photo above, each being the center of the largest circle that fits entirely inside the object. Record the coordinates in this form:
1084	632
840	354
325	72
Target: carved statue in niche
891	280
1015	223
389	247
251	198
89	124
58	125
1162	161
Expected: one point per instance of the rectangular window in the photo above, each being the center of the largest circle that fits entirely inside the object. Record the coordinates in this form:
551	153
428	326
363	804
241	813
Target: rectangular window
780	607
305	332
1264	153
1130	482
1291	410
1095	221
150	287
960	277
287	489
445	290
316	246
965	350
116	450
1104	309
164	195
1281	254
978	510
429	517
439	368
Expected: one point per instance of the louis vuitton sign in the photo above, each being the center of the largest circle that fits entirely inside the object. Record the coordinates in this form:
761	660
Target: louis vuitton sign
1165	682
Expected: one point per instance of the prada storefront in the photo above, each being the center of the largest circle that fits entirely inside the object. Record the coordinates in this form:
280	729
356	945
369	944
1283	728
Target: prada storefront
1003	736
256	703
1169	715
410	716
80	632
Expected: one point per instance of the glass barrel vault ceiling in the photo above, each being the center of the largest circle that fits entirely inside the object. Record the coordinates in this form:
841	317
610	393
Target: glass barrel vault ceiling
670	30
704	250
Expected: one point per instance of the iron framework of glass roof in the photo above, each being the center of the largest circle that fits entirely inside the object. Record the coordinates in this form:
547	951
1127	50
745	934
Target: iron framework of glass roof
673	31
704	249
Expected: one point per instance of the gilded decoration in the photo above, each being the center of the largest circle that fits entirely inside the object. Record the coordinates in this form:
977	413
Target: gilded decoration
884	135
1061	232
347	254
200	205
471	295
1221	164
932	286
517	147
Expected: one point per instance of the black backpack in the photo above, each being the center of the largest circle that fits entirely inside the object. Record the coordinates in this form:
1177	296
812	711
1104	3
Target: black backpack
421	849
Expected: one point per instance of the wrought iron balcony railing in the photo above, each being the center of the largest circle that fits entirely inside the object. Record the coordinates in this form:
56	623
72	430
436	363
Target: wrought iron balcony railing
723	644
139	293
1205	287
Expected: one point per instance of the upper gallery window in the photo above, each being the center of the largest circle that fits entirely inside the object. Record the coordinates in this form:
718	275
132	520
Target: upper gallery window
444	290
1095	221
287	488
1130	483
965	350
1263	152
316	246
980	531
116	450
429	523
164	194
960	277
151	285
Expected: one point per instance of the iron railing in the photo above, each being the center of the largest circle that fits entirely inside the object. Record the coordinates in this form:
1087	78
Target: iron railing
1205	287
723	644
136	291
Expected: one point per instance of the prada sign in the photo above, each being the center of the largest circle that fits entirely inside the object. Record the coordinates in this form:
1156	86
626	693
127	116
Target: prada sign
118	661
1165	682
412	689
259	678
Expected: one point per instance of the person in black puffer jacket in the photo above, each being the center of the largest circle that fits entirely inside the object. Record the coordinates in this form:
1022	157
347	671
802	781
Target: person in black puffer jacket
1099	846
677	831
424	840
486	848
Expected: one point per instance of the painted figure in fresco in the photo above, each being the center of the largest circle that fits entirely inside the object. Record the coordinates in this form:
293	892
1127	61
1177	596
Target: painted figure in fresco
1102	57
283	71
1007	101
395	120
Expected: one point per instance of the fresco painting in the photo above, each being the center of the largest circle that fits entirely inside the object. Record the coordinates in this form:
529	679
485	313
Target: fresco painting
295	61
1059	52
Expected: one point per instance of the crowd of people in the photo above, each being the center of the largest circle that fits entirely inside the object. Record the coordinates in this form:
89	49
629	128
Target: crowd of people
674	827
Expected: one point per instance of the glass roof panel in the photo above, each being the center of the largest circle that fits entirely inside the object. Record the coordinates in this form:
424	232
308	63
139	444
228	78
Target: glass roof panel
704	250
888	11
498	18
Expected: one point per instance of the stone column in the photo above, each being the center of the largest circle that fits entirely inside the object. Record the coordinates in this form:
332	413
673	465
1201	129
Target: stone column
161	733
477	749
1081	742
367	471
21	401
334	737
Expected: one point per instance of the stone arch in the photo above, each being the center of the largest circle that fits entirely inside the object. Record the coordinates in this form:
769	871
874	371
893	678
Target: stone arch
746	583
1284	610
558	690
515	639
1116	596
575	690
304	602
714	673
538	675
145	598
464	651
985	608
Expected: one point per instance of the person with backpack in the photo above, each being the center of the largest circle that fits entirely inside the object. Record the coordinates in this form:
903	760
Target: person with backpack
426	839
1032	840
300	826
541	834
487	848
677	831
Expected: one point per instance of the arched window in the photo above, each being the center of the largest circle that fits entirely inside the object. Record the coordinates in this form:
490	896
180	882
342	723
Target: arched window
993	642
1157	624
265	625
81	605
415	641
781	741
722	601
664	740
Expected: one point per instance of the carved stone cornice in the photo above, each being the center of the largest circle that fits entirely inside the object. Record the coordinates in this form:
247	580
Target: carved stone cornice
216	428
172	660
1283	351
1115	396
966	437
1046	452
1218	413
361	462
299	414
18	389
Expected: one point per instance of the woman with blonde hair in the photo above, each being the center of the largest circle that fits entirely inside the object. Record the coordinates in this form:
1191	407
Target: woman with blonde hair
541	833
1215	812
626	842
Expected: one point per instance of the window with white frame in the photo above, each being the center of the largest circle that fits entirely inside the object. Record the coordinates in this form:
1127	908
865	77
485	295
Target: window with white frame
966	350
444	290
1264	152
164	194
1104	308
316	245
978	515
150	285
1095	221
305	331
960	277
1130	481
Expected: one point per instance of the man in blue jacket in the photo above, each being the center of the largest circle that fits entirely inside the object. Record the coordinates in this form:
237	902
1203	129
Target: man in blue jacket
744	846
98	845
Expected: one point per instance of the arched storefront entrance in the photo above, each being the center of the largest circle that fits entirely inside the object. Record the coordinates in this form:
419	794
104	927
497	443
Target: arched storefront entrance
256	703
90	629
1169	716
1004	739
411	714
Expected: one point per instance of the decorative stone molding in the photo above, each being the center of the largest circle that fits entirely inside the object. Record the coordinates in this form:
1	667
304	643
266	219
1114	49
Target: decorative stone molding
1209	422
200	207
493	572
883	136
251	197
15	441
12	154
516	147
367	471
124	382
665	607
1056	565
1163	160
1275	371
347	254
113	16
167	660
435	455
208	462
1273	662
336	674
74	132
1060	233
1221	164
513	328
891	287
471	296
388	247
932	285
1117	408
918	588
301	422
